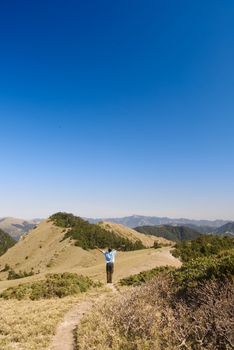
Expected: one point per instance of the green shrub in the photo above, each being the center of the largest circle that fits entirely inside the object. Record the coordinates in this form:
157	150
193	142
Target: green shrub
204	268
6	267
88	236
144	276
54	286
205	245
197	270
65	220
12	275
157	245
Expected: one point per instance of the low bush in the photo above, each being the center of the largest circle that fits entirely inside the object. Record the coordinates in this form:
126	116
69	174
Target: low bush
205	245
6	268
54	286
191	273
65	220
205	268
12	275
144	276
157	245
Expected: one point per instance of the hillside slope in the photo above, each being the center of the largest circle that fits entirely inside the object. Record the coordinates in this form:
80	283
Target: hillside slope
6	242
173	233
36	249
225	229
45	249
133	235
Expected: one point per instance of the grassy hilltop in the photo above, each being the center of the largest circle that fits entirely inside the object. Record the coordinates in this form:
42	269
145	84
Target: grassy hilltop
88	236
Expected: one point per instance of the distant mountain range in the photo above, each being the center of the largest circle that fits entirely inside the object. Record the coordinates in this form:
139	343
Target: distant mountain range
139	220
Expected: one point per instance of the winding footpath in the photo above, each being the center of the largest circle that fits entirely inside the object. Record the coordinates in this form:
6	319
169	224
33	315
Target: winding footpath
65	336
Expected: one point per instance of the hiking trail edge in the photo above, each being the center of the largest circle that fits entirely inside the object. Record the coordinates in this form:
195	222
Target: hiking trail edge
65	337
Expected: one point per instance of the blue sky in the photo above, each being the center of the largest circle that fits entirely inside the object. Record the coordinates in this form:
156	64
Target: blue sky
116	108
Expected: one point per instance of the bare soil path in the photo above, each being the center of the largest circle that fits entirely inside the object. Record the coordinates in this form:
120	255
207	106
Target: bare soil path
65	336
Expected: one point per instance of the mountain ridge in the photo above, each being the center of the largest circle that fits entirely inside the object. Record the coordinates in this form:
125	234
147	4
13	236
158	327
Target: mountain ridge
141	220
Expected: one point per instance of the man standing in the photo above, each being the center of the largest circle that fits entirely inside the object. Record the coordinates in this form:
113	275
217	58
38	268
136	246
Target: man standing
110	259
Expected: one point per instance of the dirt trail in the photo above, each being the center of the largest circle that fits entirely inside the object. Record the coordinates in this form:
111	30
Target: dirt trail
65	336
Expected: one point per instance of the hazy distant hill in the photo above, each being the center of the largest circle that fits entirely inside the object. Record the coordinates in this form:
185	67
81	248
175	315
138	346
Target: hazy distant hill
226	229
173	233
202	229
17	227
139	220
5	242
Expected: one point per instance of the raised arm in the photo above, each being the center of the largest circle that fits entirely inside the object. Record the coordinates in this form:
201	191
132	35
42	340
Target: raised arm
102	251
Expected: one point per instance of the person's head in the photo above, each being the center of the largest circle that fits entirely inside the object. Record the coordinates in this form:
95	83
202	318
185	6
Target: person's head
109	250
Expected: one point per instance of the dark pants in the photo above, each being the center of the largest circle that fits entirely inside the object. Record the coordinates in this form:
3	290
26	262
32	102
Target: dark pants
109	272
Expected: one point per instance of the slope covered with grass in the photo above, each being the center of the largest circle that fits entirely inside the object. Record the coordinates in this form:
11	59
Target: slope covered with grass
133	235
88	236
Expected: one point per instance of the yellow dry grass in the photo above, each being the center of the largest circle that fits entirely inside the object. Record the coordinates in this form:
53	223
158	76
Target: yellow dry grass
36	249
43	250
29	325
133	235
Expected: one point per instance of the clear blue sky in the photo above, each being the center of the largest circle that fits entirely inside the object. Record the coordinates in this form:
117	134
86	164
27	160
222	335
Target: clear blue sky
109	108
